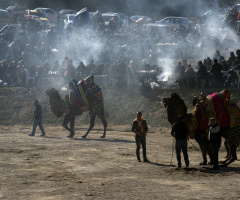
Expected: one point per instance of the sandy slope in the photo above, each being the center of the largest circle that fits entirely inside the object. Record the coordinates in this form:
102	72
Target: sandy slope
55	167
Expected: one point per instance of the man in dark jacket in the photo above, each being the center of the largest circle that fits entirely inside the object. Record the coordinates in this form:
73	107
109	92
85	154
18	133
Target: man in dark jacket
215	141
180	132
216	73
140	128
180	73
37	119
202	75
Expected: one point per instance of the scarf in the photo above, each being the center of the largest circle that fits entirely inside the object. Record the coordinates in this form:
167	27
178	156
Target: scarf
140	124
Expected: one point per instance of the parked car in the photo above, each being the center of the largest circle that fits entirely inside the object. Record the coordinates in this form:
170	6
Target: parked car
15	13
51	14
64	12
40	15
4	18
135	18
108	16
15	9
68	19
14	29
34	17
175	21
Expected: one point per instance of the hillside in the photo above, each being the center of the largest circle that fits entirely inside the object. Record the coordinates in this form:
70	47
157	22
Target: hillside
16	105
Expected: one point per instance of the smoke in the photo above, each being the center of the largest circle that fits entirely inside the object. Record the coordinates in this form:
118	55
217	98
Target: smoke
167	67
83	48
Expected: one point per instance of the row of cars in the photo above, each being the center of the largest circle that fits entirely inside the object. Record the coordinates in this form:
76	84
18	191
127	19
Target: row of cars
48	16
123	19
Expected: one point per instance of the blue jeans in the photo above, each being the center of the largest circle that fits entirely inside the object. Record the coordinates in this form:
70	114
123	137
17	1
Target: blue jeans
181	145
227	79
140	140
36	123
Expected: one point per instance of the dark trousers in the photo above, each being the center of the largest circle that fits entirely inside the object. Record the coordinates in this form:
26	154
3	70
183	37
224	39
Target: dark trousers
181	145
215	149
36	123
140	140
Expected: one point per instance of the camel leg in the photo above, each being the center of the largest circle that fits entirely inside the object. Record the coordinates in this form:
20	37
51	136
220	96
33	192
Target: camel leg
92	120
229	153
102	117
67	118
226	147
72	122
203	146
204	155
233	155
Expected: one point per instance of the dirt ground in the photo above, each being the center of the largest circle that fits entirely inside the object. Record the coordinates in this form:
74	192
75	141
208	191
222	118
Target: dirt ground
56	167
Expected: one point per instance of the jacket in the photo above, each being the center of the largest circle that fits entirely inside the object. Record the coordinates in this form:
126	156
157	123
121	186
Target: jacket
214	135
179	130
38	112
136	128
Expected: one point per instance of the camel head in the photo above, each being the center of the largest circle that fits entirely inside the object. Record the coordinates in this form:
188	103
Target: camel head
55	101
165	101
175	106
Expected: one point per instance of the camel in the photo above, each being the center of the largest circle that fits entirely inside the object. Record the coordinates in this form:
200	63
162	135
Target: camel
71	107
176	106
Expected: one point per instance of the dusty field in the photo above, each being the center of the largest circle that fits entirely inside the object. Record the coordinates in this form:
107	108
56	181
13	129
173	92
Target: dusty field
55	167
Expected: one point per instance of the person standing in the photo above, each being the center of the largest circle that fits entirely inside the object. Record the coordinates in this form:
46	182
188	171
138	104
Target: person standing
140	128
37	119
216	74
180	133
214	137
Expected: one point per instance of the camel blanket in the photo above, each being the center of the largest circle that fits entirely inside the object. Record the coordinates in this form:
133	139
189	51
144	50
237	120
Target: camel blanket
78	96
214	105
199	117
234	114
84	95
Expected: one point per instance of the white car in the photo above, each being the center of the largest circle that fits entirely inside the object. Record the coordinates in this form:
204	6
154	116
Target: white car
64	12
51	14
175	21
68	19
108	16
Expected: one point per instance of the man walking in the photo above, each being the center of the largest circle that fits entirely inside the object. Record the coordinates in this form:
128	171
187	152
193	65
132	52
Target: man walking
37	119
140	128
180	132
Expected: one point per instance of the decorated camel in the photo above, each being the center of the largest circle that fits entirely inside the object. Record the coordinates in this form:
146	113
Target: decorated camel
217	105
84	96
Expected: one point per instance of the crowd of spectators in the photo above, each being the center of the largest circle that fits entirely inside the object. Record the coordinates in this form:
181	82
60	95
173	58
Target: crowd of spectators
127	55
210	73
